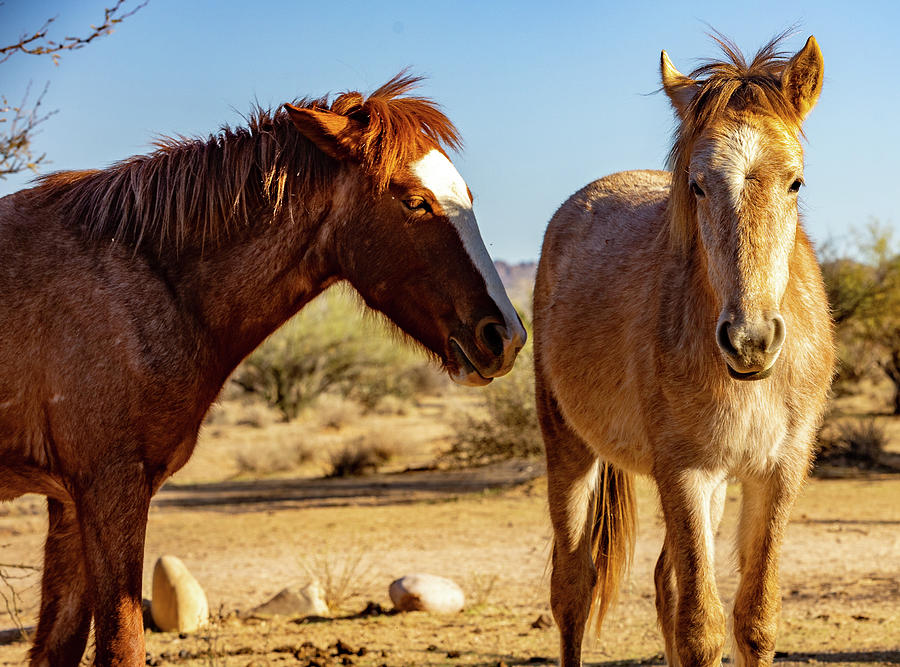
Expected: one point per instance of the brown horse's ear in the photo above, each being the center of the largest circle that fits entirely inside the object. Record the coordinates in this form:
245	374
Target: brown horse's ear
801	81
334	134
680	89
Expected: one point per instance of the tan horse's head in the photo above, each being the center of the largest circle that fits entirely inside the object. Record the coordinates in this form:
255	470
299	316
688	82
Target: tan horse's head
410	243
738	166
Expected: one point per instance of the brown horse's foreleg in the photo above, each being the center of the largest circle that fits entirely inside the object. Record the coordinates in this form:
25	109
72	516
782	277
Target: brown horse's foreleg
65	617
765	510
699	622
571	477
112	512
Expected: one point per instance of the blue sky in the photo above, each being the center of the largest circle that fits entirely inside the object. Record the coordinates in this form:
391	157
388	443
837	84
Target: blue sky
548	96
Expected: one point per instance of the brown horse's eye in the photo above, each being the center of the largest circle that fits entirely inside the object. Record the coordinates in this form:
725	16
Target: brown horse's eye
416	204
795	186
697	190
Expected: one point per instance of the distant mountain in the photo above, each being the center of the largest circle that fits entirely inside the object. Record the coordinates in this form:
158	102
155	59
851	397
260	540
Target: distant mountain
518	279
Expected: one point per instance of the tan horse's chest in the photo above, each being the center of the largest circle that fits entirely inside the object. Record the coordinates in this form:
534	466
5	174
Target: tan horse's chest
746	433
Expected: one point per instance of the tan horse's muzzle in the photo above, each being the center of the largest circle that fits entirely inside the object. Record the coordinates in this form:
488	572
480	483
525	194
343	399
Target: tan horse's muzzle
497	346
750	345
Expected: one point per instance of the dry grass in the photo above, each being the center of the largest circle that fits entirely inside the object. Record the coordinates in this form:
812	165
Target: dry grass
343	575
478	587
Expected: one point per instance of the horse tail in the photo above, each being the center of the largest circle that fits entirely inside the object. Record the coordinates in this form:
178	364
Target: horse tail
612	536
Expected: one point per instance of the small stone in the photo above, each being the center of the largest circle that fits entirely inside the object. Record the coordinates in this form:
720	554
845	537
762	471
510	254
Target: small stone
147	615
341	648
178	603
542	622
426	592
295	602
452	654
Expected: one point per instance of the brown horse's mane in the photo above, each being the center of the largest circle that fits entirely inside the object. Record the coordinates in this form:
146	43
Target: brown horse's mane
194	191
729	85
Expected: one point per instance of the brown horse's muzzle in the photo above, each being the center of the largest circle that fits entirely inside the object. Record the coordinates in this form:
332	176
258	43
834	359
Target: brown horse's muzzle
491	353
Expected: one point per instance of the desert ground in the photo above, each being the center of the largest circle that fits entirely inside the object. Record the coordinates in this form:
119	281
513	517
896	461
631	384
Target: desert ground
253	512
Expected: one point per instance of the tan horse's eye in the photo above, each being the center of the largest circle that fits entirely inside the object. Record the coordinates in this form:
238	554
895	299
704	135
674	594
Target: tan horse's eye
697	190
795	186
417	204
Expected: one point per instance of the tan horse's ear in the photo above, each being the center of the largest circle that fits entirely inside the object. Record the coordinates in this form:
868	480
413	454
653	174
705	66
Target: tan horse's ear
801	80
334	134
680	89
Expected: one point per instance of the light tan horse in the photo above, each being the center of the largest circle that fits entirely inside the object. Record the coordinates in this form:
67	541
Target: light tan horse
682	331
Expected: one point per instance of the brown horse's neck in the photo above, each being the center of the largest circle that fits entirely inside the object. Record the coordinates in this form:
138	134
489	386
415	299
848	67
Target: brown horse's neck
242	290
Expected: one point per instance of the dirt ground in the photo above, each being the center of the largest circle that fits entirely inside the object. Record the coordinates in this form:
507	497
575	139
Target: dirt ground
251	514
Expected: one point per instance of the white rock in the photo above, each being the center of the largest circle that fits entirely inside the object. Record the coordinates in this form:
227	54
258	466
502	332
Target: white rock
178	603
426	592
295	602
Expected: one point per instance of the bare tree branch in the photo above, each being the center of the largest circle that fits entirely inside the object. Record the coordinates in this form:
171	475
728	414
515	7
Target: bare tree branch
19	123
39	44
16	140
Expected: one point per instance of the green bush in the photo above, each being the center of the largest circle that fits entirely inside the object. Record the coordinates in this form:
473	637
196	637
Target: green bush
331	345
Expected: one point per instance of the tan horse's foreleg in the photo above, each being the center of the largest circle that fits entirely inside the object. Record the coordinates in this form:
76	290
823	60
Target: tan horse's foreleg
571	477
688	500
65	617
666	600
113	517
765	510
664	578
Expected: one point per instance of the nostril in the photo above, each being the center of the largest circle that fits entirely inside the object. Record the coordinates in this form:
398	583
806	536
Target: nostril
778	333
493	337
723	337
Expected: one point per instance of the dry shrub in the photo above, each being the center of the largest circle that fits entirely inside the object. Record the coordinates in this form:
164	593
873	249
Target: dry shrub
335	411
14	579
274	460
361	456
392	405
508	426
857	443
331	346
343	576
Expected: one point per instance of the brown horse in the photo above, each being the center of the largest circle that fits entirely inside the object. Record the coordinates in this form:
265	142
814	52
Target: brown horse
682	331
131	293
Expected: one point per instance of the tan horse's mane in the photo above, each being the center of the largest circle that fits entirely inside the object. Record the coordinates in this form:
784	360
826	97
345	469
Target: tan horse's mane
723	86
194	191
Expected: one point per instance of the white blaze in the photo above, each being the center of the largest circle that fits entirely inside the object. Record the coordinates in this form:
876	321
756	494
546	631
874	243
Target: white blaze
439	175
740	153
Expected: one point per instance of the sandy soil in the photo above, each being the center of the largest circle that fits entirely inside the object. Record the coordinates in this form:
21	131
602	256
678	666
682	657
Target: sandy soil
245	538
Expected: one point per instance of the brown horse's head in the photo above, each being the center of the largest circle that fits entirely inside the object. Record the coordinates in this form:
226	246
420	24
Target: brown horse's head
738	166
406	236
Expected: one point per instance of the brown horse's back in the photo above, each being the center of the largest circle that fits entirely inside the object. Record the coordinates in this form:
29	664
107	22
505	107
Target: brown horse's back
592	279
